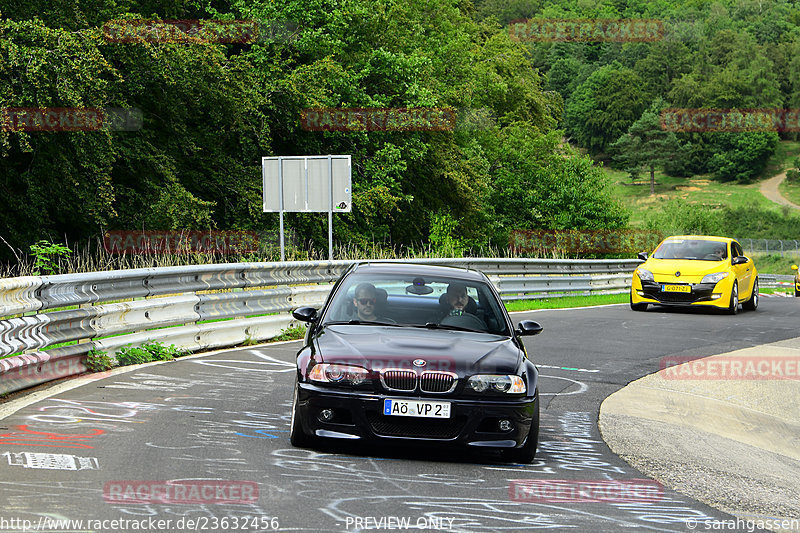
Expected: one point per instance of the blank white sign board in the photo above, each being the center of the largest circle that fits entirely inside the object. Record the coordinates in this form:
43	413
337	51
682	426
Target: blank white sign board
317	184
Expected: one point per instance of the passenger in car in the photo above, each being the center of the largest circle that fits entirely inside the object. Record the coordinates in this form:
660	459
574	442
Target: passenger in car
461	309
456	297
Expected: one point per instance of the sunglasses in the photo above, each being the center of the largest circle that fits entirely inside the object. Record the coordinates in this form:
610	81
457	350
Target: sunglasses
366	301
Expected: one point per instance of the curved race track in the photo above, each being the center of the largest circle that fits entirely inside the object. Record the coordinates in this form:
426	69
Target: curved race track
225	417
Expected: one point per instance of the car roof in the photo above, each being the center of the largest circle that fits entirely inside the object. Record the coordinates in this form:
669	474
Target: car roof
417	269
701	238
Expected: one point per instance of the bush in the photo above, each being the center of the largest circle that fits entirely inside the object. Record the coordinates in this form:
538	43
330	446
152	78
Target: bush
98	361
741	156
47	257
749	222
291	334
148	352
680	218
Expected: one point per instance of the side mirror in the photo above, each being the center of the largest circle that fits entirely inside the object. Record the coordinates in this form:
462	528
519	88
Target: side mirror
305	314
794	267
739	260
528	327
642	256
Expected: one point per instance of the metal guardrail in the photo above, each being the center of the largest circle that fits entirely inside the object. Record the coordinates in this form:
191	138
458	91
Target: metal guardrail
48	324
773	280
212	306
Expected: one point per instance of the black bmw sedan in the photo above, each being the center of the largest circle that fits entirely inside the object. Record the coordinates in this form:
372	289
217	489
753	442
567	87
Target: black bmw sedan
403	352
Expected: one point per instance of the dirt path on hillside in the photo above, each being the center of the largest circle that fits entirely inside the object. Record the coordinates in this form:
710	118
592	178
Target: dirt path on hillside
769	189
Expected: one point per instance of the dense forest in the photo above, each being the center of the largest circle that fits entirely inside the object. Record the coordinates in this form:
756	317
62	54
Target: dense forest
211	110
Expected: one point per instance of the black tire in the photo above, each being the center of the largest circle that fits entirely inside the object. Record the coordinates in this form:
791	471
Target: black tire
527	452
733	307
637	307
752	303
297	436
796	293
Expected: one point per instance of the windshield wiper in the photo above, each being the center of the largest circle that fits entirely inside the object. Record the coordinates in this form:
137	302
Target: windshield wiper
434	325
356	322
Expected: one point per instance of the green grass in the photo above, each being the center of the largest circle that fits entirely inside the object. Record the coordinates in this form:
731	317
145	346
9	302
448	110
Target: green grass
775	290
775	264
782	158
702	191
790	191
566	301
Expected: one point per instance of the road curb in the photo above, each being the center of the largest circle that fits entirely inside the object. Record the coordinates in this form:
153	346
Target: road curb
733	444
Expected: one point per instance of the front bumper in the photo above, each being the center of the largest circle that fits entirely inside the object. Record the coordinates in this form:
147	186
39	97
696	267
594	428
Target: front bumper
701	293
359	415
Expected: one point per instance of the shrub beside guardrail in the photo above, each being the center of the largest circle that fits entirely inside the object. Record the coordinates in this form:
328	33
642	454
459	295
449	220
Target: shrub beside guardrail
212	306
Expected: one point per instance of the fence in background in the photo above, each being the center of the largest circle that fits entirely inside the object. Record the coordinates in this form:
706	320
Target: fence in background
770	246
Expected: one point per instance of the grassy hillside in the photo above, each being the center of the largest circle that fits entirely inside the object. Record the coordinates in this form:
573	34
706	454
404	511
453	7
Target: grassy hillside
700	192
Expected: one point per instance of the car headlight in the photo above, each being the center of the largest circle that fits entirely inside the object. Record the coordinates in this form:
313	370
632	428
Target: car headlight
714	278
644	275
339	374
497	383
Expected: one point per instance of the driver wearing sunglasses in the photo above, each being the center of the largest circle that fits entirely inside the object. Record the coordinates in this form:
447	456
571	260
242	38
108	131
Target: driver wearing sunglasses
366	303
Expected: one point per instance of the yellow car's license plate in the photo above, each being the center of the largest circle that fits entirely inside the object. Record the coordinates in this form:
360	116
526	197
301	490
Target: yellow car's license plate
676	288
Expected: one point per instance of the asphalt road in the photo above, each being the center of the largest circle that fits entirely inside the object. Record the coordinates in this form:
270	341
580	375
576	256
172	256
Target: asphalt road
226	417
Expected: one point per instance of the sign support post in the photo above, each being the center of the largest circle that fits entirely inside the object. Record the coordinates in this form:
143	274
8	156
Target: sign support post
330	208
280	174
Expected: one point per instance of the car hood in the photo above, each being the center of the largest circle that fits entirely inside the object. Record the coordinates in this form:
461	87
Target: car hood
378	347
692	271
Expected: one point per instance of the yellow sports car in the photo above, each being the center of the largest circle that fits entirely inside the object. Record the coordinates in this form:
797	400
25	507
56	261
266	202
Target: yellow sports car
696	270
796	281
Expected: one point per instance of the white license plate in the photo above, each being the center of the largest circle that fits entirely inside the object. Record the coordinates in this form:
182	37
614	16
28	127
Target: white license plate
676	288
418	408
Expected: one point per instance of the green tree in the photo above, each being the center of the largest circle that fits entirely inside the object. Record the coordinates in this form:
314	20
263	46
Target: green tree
646	144
742	156
540	182
604	107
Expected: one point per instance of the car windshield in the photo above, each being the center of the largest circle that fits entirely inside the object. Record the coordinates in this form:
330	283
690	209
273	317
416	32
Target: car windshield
430	302
701	250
